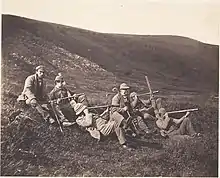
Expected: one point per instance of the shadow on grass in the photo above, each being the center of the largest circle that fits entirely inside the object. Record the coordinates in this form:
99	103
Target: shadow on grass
140	142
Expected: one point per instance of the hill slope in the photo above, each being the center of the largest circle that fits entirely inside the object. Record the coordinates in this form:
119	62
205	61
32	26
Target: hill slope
171	62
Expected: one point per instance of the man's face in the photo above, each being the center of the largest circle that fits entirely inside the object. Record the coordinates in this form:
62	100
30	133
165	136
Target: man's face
59	84
124	92
40	73
162	112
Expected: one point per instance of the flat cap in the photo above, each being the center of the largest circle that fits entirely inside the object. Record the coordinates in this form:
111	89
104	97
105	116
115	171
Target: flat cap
40	67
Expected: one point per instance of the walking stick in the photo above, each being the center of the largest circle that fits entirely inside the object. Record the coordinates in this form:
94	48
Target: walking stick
58	121
131	123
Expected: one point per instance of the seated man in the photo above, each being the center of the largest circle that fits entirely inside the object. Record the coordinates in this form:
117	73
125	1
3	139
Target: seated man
122	109
34	93
64	101
147	108
98	126
171	127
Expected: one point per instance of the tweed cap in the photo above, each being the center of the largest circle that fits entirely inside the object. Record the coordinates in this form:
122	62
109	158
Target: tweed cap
40	67
59	78
124	86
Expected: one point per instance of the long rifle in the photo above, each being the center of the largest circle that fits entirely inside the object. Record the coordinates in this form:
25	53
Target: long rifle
68	97
58	121
153	103
101	106
181	111
149	87
131	123
142	94
148	93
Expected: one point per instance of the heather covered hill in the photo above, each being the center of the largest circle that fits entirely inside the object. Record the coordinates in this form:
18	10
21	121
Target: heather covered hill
171	62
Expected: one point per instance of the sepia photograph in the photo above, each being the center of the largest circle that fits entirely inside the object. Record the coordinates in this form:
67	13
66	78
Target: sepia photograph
110	88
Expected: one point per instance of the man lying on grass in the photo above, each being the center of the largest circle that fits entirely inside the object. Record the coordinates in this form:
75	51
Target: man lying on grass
97	126
171	126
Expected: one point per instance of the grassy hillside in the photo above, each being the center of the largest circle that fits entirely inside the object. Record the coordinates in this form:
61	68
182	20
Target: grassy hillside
184	70
171	62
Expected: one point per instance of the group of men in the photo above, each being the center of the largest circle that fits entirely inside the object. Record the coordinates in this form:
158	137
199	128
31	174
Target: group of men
126	113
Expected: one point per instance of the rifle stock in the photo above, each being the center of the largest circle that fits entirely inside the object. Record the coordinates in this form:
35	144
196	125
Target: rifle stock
181	111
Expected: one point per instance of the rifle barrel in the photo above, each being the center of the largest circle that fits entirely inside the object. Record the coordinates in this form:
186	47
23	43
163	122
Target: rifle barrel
68	97
142	94
148	84
185	110
96	107
148	93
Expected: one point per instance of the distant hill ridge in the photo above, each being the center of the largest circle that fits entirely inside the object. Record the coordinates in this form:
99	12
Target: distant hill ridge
94	61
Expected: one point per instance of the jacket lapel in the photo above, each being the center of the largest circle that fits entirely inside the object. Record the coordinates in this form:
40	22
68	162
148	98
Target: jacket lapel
35	82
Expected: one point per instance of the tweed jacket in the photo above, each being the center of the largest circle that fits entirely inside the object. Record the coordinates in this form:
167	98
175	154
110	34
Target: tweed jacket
33	89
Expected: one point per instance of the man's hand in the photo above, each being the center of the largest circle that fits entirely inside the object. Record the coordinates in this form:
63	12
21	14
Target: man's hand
107	109
125	108
134	96
187	114
135	110
75	95
45	106
166	114
58	100
72	103
151	97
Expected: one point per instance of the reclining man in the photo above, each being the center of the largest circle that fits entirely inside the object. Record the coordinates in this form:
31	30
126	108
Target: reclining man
97	126
34	93
64	101
171	126
122	109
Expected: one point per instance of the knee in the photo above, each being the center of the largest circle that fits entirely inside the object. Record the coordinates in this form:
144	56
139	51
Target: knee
32	102
158	100
123	125
146	116
186	121
72	103
117	117
83	99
